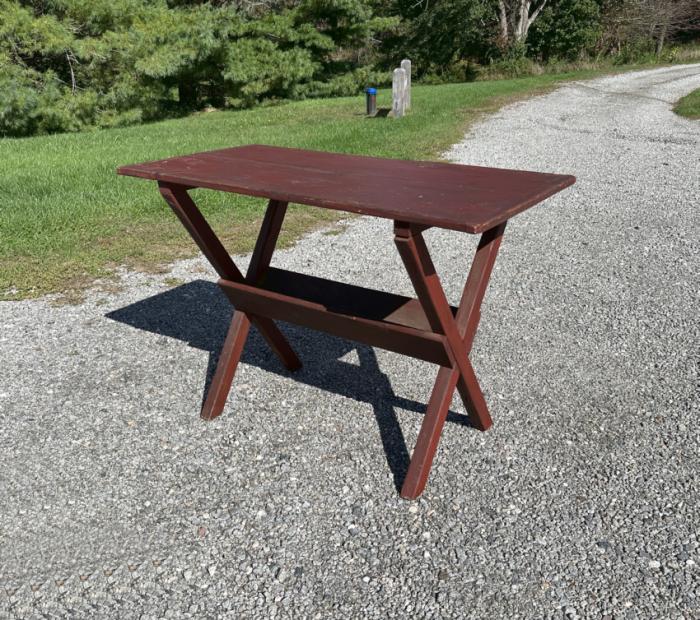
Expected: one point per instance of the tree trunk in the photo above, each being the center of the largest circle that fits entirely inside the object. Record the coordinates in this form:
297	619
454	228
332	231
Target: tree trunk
187	94
516	25
523	21
662	37
503	22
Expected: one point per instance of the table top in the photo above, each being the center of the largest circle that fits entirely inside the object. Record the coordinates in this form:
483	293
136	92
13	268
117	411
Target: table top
466	198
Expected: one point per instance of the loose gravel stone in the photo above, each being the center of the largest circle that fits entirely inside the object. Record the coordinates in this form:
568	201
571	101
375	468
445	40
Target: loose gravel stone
117	501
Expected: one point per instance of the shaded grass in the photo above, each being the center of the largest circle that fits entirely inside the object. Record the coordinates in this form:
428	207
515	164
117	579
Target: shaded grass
689	106
67	218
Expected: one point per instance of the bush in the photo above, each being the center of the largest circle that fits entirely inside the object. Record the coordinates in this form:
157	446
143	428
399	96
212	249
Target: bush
72	64
566	30
635	52
512	63
460	71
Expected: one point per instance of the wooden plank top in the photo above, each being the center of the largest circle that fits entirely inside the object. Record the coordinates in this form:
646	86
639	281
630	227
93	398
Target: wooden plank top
466	198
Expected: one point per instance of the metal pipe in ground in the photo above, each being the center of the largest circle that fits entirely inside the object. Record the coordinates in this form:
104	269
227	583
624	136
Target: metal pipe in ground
371	96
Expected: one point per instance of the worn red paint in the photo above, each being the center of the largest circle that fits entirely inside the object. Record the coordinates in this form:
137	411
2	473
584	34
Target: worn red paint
467	198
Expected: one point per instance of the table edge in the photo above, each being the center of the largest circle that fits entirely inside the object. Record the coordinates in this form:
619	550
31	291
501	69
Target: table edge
135	170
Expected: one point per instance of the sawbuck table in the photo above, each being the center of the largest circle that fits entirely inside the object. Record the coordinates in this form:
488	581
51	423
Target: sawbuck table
416	196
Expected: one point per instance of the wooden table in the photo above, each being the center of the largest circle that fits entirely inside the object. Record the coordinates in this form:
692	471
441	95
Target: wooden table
416	196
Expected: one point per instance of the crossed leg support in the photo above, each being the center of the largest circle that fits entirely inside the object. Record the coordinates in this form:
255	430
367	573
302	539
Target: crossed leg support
186	210
458	330
459	333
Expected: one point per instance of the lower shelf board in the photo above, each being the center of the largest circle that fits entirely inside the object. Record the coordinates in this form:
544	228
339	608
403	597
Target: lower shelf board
386	320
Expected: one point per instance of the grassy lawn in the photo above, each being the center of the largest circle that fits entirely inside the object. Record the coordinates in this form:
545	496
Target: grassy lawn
689	106
66	217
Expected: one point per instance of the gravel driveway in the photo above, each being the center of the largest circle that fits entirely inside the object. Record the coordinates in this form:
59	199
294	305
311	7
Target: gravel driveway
582	501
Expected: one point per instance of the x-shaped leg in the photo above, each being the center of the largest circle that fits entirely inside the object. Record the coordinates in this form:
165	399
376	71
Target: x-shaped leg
186	210
459	333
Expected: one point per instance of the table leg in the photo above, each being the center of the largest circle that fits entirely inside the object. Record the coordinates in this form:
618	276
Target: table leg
192	219
226	366
257	268
459	330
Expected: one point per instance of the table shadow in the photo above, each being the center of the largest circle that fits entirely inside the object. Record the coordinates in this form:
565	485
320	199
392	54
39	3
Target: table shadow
199	313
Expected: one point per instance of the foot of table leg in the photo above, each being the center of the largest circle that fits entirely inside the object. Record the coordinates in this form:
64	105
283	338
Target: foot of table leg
226	366
473	399
231	354
278	343
429	435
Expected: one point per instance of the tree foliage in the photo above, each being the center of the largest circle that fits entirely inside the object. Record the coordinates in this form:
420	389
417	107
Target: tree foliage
446	32
566	29
70	64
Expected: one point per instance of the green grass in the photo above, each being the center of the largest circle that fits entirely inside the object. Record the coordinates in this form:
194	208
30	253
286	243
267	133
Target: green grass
689	106
67	218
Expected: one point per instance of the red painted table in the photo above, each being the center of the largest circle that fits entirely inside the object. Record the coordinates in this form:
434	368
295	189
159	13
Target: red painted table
416	196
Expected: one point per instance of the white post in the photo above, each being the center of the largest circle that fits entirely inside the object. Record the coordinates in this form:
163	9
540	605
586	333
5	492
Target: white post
406	66
398	90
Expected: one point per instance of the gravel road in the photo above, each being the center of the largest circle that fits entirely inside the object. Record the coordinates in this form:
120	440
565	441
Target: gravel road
581	502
